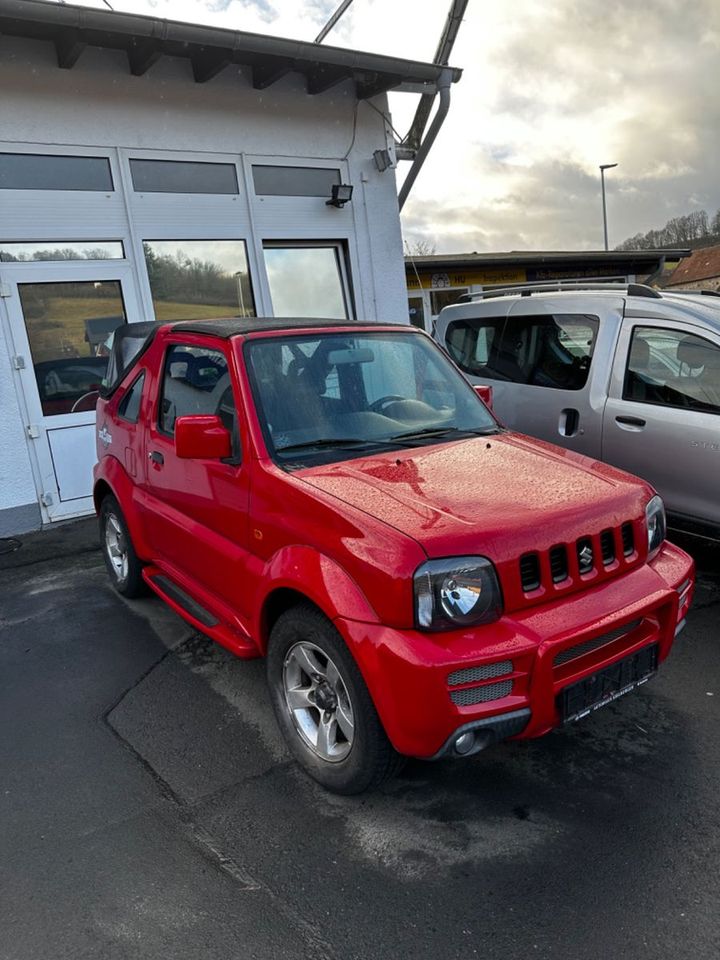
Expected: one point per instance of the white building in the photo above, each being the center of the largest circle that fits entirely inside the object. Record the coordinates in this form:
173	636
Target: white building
159	170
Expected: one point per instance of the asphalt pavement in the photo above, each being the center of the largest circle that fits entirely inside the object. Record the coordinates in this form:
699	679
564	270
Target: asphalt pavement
148	808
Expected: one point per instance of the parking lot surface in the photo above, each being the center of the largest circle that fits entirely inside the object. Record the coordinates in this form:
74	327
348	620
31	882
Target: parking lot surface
149	809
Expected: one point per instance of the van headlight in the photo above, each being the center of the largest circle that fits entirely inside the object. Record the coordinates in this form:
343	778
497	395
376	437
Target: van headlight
656	525
457	592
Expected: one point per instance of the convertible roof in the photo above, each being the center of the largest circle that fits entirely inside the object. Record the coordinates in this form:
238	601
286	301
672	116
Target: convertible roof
131	340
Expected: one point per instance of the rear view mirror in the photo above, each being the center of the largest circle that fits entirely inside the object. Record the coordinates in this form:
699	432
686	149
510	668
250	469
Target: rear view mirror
202	438
485	393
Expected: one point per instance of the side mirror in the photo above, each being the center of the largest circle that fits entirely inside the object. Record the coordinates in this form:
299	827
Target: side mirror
485	393
202	438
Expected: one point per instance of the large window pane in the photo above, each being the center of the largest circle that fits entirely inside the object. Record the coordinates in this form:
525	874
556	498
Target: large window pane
34	171
278	181
61	250
674	369
546	351
180	176
306	281
67	324
199	279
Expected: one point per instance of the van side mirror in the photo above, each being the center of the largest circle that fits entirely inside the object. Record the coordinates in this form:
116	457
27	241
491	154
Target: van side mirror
202	437
485	393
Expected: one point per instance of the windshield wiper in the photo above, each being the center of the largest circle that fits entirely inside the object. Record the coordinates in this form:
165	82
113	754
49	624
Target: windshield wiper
430	432
350	443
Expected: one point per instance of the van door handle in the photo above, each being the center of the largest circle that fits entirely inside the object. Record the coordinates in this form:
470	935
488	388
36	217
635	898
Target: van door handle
569	422
633	422
156	457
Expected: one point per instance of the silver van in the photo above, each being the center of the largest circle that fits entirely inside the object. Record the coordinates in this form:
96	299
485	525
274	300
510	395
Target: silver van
622	373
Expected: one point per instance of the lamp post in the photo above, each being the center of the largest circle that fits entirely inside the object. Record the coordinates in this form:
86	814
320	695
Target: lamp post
603	168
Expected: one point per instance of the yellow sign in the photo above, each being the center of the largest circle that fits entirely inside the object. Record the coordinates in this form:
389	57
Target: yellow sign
444	279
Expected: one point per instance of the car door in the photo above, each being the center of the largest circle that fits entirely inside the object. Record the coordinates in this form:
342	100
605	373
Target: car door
197	510
662	418
547	359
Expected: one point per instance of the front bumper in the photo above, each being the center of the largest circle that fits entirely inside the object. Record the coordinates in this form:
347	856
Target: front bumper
548	647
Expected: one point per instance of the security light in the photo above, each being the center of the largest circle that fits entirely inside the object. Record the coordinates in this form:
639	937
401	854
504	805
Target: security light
341	194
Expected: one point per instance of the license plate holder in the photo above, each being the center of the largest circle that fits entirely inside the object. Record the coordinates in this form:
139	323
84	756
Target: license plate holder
607	685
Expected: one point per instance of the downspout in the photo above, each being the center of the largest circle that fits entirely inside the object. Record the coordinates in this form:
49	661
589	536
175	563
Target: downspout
443	88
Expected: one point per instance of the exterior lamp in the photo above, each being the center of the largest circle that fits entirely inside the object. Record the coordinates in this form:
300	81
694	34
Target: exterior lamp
341	194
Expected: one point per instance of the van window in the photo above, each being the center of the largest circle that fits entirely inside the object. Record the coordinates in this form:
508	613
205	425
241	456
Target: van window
673	369
549	350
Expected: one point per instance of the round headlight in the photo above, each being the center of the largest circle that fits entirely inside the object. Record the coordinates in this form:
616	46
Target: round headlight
457	592
656	525
462	596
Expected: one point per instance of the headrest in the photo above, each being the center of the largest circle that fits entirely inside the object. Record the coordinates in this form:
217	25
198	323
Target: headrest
694	352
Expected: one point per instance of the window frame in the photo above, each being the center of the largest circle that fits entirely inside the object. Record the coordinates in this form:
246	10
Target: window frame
124	400
342	253
236	457
69	153
183	161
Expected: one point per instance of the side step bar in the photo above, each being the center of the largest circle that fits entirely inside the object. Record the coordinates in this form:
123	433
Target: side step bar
219	628
184	600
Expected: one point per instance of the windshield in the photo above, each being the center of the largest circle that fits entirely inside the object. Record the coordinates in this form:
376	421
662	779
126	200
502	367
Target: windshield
330	396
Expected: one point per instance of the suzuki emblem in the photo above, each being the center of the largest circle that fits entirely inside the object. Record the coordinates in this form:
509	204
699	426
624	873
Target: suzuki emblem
586	556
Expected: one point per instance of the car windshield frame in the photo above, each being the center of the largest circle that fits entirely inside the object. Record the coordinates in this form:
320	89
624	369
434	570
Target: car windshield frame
303	452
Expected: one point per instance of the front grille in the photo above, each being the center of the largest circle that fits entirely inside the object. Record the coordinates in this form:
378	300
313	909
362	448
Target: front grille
628	539
558	564
484	671
607	546
603	554
530	571
587	646
491	691
586	559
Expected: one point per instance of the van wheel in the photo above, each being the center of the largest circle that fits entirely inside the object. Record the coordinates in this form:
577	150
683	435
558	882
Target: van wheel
122	562
323	707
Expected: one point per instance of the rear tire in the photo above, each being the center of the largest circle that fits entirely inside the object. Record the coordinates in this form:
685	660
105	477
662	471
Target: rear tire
122	562
322	706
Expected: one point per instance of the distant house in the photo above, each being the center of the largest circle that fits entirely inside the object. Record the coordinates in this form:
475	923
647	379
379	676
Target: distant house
154	170
700	271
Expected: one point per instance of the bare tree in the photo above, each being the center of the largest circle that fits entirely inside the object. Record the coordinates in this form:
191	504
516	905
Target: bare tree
419	248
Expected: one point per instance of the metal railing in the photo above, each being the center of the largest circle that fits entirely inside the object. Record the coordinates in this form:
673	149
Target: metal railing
552	286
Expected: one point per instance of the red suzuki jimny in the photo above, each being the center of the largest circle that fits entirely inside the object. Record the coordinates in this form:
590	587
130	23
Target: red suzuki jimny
337	497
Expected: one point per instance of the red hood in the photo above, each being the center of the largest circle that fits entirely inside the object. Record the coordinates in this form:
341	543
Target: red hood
499	496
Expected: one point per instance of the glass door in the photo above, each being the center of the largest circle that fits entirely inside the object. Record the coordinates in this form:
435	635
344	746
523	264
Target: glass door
60	317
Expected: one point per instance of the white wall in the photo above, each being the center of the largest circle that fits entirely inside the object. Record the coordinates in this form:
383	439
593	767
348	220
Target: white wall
99	105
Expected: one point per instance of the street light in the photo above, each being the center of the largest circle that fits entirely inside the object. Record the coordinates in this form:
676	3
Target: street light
603	168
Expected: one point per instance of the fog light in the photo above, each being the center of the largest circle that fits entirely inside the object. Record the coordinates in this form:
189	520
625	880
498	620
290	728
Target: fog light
465	742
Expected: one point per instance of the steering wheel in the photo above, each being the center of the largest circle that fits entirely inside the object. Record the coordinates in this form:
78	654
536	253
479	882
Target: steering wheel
85	396
378	405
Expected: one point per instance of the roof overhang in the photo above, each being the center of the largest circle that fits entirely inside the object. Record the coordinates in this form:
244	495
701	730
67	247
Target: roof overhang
543	258
210	49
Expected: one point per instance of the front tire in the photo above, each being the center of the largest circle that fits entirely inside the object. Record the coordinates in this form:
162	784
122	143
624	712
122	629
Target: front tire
122	562
322	706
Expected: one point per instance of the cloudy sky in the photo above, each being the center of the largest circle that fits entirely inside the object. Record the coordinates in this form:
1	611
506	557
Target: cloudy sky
551	89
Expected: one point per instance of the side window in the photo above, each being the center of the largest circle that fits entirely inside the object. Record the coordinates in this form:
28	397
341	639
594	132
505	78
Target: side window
673	369
196	380
129	408
552	350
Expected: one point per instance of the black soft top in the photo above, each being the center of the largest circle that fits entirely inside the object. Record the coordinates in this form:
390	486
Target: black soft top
131	340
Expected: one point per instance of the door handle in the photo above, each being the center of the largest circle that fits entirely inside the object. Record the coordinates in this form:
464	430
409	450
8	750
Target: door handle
156	457
569	422
635	423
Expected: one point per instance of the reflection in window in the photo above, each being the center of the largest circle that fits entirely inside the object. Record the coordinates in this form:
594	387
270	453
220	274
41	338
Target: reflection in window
674	369
61	250
307	281
182	176
67	324
416	311
199	279
35	171
545	351
443	298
